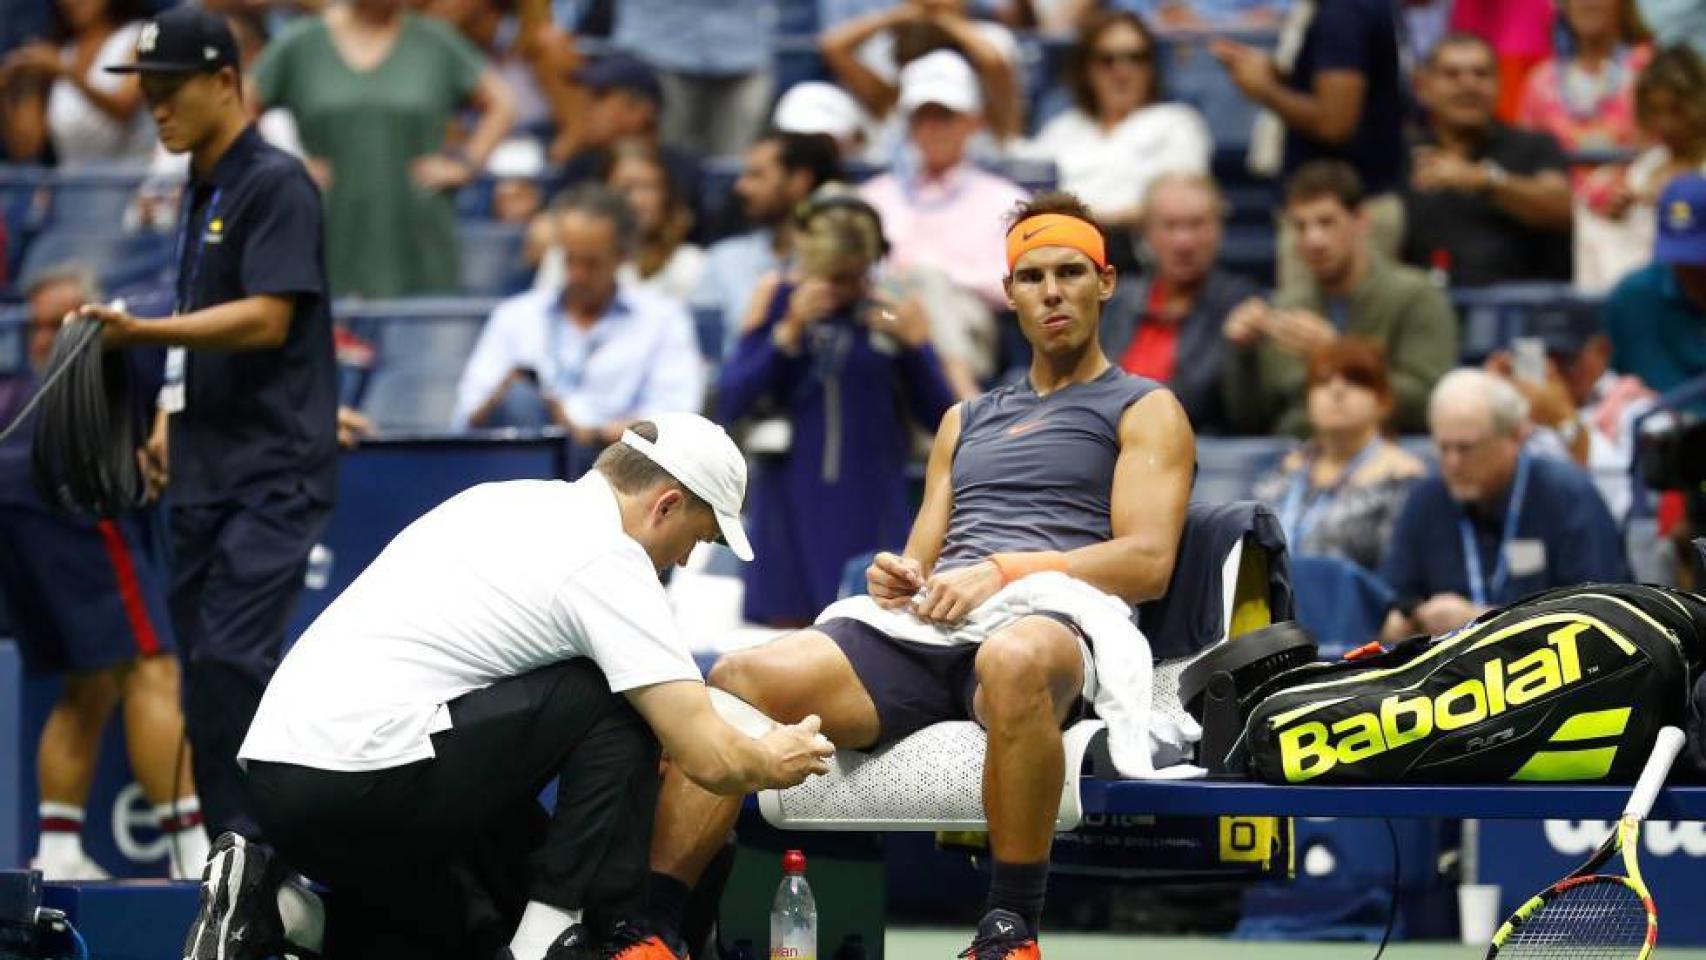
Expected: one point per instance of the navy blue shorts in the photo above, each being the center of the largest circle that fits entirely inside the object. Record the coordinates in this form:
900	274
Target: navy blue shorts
83	596
914	685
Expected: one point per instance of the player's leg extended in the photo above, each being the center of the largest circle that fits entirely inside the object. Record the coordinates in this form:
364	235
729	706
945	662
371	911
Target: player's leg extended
788	679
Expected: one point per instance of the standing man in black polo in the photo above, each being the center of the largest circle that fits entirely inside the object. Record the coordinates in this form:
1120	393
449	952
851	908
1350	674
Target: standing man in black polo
250	406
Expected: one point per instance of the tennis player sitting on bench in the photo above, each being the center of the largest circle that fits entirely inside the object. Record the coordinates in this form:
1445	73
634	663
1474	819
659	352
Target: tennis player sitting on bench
1079	470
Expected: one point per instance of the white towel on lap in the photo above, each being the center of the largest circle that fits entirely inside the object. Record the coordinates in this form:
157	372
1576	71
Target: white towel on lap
1120	655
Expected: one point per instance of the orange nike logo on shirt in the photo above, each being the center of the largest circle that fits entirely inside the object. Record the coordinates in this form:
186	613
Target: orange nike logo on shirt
1021	428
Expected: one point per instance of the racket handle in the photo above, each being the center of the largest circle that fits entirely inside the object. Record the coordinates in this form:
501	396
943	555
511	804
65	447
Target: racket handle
1665	749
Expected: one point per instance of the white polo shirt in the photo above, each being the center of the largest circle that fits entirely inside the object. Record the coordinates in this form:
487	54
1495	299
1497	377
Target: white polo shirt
498	581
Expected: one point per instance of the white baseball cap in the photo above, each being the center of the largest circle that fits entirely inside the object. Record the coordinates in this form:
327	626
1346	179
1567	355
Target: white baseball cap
942	77
700	455
818	107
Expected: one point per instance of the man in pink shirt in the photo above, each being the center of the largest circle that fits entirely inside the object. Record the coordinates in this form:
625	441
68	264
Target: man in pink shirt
944	212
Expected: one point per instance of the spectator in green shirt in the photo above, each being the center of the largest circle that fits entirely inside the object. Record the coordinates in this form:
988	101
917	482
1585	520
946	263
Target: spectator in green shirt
1354	291
374	88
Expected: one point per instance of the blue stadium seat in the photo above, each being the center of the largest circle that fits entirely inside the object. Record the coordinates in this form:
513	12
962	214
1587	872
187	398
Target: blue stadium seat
1251	250
1492	317
708	325
491	263
1341	604
1252	202
14	335
798	60
422	345
1227	466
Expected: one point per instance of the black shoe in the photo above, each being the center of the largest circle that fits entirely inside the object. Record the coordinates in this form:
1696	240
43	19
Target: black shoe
1003	935
238	919
576	943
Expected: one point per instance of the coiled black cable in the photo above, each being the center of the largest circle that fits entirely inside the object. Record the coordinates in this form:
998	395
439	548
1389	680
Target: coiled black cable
83	456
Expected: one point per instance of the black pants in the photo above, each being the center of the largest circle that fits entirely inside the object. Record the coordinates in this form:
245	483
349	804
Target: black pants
237	570
438	858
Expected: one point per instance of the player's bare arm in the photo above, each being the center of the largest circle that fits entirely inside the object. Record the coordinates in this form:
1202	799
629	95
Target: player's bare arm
1152	486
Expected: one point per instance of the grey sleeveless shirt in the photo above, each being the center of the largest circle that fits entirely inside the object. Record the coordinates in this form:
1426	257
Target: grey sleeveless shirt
1037	473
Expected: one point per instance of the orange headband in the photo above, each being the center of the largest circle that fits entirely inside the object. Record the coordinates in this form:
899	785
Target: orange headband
1055	230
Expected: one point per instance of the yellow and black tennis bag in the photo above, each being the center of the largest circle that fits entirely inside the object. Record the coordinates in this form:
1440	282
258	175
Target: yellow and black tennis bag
1567	685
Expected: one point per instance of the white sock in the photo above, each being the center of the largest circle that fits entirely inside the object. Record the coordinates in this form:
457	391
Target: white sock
303	914
61	839
186	837
540	927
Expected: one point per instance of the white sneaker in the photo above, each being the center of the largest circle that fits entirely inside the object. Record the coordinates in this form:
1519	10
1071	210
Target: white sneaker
69	871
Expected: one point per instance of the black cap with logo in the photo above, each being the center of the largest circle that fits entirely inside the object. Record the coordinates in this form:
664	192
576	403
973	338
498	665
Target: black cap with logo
184	39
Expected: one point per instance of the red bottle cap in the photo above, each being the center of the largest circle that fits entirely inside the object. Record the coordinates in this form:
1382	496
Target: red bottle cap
794	862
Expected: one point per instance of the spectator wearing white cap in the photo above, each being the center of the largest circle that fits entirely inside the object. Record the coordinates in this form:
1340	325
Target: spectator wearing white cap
867	54
818	107
939	209
515	635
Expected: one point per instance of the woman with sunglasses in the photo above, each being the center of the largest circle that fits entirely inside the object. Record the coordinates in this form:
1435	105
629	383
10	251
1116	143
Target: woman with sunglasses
1118	137
1340	493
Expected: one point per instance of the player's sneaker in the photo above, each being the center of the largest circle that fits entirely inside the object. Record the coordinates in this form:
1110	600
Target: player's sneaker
629	942
238	919
1003	936
69	871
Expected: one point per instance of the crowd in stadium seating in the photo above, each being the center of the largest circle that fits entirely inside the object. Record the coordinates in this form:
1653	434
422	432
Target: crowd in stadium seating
507	147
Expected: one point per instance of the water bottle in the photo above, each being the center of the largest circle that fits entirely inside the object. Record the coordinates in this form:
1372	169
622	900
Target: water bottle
793	916
319	573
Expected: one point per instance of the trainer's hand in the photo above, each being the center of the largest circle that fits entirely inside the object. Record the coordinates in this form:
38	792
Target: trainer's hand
891	580
795	752
120	328
949	597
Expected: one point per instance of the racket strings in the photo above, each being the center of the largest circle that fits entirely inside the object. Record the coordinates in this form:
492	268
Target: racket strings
1592	921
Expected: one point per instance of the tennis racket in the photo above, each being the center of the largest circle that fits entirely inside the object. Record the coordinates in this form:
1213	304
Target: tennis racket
1595	916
